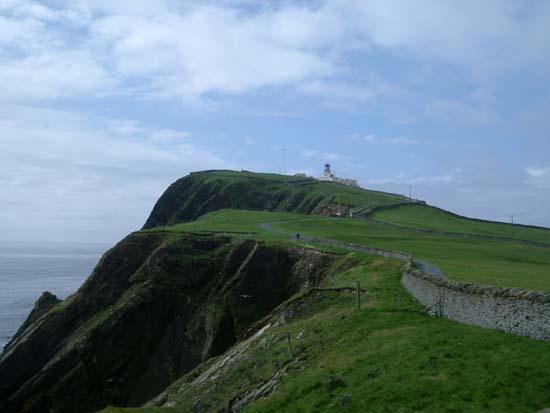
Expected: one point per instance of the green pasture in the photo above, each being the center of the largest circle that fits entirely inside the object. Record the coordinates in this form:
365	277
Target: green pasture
425	217
489	262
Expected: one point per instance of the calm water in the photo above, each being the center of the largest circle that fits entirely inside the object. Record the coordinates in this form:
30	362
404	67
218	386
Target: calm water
28	269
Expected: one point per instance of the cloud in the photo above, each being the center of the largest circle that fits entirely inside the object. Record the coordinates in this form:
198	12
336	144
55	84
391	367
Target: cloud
538	177
168	136
68	175
345	92
325	156
372	139
537	172
52	75
197	51
514	39
460	113
445	178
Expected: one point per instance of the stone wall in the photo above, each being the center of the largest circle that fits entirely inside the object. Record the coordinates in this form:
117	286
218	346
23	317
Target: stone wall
512	310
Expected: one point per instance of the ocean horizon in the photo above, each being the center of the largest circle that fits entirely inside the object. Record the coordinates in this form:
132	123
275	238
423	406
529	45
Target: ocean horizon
29	268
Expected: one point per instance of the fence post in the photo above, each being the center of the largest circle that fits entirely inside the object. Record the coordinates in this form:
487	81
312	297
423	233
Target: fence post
358	295
398	302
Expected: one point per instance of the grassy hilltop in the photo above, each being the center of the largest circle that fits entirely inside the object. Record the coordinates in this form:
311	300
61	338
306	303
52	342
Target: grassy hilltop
199	193
206	310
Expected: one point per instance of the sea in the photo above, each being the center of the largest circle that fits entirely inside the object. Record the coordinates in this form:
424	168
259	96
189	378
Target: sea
28	269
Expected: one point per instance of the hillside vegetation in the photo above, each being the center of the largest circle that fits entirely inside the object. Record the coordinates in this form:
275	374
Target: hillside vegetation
376	359
490	262
202	192
207	310
156	306
434	219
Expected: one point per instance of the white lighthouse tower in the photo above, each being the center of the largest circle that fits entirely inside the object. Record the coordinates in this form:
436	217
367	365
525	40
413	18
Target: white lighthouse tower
328	174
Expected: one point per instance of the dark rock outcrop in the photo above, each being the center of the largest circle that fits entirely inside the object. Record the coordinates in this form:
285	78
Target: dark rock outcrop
156	306
44	304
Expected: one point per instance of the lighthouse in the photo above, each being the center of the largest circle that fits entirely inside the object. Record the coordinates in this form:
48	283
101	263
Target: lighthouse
328	174
329	177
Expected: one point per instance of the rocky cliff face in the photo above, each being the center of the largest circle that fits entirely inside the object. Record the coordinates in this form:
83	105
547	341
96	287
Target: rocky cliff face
197	194
155	306
44	304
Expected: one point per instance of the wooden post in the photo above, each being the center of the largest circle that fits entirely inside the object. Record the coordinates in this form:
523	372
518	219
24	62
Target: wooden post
398	302
358	295
289	344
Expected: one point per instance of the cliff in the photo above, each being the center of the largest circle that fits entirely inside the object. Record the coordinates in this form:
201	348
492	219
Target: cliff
155	307
199	193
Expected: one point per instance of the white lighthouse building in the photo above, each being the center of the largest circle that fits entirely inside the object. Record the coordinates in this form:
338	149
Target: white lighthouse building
329	177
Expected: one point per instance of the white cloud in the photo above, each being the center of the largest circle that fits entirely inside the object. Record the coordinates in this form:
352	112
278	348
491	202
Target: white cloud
372	139
402	179
67	174
485	38
346	92
537	172
168	136
325	156
52	75
191	51
459	113
538	178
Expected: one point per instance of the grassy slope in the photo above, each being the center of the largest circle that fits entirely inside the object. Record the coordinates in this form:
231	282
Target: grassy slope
498	263
331	192
483	261
384	360
424	217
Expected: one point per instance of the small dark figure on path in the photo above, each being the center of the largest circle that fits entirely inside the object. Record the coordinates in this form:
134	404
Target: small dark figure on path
297	237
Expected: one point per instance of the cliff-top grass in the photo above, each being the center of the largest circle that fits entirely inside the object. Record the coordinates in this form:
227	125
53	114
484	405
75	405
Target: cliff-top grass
489	262
428	218
329	192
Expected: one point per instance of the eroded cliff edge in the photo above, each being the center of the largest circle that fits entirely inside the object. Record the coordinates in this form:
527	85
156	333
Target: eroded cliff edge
156	305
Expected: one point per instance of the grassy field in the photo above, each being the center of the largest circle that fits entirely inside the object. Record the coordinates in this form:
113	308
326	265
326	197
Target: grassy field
377	359
489	262
424	217
236	222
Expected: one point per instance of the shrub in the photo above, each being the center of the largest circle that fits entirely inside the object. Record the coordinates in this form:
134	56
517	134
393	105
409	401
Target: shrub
335	381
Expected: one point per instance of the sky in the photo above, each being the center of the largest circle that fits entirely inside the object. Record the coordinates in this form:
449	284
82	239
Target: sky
104	103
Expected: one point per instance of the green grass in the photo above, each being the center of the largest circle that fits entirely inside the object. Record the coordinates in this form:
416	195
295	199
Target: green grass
326	191
488	262
235	222
499	263
425	217
406	362
379	360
